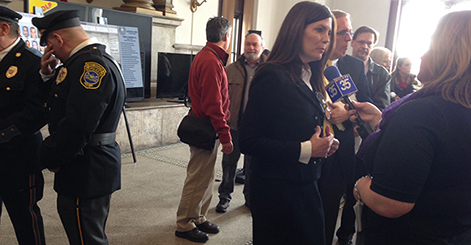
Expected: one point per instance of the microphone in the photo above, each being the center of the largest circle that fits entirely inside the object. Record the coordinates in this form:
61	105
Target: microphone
341	87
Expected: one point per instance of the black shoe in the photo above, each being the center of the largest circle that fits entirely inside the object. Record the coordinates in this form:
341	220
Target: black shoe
240	176
194	235
208	227
222	206
345	242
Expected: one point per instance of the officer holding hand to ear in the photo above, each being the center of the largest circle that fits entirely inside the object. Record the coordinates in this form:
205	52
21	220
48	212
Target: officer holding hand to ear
83	109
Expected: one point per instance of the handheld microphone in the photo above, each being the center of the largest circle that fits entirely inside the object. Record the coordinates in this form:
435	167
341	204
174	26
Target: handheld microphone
341	87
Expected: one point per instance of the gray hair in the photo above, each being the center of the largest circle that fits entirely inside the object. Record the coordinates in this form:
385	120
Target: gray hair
217	28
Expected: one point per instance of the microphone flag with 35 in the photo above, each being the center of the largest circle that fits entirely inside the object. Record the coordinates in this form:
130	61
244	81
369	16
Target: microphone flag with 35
342	87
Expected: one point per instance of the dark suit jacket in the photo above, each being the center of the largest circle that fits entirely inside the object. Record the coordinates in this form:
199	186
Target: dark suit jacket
21	114
356	68
86	99
345	155
280	114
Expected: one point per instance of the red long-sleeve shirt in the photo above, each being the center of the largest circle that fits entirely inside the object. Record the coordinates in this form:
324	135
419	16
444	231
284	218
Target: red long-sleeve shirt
209	90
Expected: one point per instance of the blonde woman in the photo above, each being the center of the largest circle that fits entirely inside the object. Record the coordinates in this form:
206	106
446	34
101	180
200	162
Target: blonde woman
418	190
382	56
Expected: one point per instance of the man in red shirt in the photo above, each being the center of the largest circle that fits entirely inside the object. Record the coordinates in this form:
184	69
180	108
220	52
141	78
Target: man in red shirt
208	90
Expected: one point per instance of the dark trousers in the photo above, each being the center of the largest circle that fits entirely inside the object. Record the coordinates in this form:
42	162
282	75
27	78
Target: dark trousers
229	167
286	212
347	225
84	220
21	205
332	187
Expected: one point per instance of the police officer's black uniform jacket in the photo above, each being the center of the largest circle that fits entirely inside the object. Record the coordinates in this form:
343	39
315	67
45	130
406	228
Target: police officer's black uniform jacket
84	107
21	114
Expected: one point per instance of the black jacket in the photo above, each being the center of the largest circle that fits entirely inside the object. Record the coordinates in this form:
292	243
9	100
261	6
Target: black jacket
21	111
380	85
279	116
356	68
86	100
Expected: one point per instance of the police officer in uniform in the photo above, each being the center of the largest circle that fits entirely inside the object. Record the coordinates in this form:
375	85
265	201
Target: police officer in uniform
83	108
21	118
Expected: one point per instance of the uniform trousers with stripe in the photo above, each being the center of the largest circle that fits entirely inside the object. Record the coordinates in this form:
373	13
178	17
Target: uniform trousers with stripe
21	203
84	220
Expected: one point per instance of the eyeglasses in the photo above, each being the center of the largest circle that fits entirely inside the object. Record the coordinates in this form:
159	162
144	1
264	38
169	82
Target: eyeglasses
326	109
345	33
369	44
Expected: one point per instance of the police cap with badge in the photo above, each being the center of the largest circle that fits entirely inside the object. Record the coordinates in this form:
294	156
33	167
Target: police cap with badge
7	14
55	21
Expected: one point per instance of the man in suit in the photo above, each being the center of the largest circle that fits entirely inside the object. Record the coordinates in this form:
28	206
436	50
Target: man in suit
83	109
21	117
337	172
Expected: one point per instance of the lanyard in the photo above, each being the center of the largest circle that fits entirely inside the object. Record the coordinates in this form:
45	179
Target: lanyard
215	54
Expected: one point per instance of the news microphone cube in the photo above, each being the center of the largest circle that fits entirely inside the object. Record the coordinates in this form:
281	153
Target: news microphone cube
340	87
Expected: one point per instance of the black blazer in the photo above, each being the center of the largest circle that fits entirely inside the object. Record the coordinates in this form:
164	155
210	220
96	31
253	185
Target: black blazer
356	68
345	155
280	114
81	106
21	113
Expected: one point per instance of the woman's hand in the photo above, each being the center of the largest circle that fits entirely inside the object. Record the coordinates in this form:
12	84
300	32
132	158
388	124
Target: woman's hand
367	111
323	146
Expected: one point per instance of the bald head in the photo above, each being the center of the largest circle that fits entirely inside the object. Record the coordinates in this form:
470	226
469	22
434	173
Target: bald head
65	40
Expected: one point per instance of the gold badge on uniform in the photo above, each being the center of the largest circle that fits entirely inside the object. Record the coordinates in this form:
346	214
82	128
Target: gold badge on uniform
92	75
18	54
61	76
12	71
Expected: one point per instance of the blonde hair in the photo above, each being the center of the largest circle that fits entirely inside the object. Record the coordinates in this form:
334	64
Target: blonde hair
449	59
378	54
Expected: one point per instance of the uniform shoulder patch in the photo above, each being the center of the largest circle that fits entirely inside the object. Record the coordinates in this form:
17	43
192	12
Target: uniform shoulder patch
92	75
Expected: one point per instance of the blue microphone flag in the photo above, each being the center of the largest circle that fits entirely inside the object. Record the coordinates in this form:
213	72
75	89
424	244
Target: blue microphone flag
339	85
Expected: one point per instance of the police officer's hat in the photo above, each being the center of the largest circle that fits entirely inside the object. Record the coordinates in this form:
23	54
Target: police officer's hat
9	15
55	21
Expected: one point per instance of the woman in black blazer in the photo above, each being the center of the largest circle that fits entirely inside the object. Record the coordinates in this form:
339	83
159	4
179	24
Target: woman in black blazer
282	130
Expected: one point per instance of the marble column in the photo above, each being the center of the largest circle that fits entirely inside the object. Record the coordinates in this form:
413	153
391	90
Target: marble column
166	6
139	6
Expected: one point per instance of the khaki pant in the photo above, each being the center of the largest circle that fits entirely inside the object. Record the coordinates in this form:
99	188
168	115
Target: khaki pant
198	188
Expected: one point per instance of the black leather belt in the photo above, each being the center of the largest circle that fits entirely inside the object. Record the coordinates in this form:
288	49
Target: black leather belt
102	139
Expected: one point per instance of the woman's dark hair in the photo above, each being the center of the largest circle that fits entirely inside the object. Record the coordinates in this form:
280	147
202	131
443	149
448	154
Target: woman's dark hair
289	42
399	63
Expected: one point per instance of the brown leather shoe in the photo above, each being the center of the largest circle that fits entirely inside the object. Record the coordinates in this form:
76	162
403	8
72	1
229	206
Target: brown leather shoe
208	227
194	235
